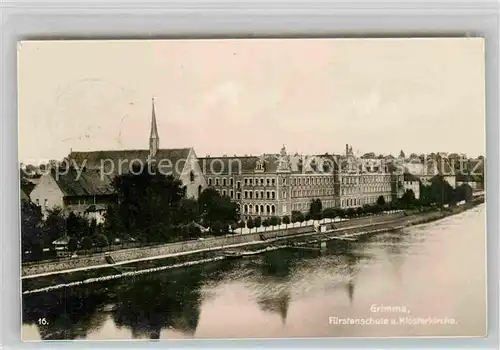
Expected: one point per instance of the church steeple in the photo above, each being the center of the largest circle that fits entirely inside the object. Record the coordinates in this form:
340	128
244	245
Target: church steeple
154	139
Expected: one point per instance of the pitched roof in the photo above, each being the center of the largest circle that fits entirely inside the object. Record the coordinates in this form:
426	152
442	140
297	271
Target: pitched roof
89	183
227	165
247	164
120	161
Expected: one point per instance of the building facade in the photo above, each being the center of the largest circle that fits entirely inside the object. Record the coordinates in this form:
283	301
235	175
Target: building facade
272	184
363	181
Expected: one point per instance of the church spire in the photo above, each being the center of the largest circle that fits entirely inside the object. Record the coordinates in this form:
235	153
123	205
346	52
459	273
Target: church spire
154	139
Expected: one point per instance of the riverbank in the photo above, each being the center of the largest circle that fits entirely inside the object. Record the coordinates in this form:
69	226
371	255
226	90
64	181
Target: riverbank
352	229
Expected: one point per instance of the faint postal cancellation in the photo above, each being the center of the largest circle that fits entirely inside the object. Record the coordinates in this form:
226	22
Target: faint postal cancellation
284	161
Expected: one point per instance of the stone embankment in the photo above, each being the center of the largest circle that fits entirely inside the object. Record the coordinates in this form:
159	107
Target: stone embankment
93	268
93	261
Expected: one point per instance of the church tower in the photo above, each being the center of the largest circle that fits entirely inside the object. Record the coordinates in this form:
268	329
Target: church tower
154	139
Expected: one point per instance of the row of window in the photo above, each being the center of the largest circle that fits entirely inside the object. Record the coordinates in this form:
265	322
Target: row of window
260	194
366	179
246	181
311	180
315	192
269	209
365	189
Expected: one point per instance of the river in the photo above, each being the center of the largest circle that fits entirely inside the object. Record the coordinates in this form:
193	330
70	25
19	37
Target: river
427	280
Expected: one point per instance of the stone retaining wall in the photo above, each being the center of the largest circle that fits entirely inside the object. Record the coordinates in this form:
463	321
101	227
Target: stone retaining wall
36	268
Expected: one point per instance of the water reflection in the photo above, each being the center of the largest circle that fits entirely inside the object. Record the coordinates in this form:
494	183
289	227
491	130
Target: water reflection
286	293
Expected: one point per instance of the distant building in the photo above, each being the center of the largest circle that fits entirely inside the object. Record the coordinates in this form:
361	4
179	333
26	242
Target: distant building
411	182
86	194
362	181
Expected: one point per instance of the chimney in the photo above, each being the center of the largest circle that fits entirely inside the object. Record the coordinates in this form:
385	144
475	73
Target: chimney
346	149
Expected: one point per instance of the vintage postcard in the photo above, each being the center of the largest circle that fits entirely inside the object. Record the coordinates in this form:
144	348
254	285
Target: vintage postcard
252	188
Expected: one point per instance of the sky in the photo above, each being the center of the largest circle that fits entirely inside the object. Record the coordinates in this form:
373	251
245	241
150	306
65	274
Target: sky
252	96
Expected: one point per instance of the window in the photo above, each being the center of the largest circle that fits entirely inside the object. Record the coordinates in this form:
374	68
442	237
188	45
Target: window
191	176
238	195
250	193
224	192
245	209
250	208
246	194
256	194
284	181
238	184
273	181
224	181
262	194
267	194
231	182
256	209
274	195
231	193
209	181
246	182
284	194
216	181
250	181
268	182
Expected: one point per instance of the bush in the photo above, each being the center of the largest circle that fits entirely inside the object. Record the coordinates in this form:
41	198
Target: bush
72	244
257	222
286	219
217	228
250	223
101	241
87	243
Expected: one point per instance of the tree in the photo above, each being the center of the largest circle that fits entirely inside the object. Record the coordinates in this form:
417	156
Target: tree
295	215
242	225
93	227
72	244
101	241
234	226
31	231
148	202
193	230
381	201
188	211
54	226
257	222
408	199
87	243
76	226
274	221
286	220
266	223
315	208
300	218
218	228
214	207
250	224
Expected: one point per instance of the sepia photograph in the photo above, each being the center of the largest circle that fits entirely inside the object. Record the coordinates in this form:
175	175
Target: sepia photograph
252	188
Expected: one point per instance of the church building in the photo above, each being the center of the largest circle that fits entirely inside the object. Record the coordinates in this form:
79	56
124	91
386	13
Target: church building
86	187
